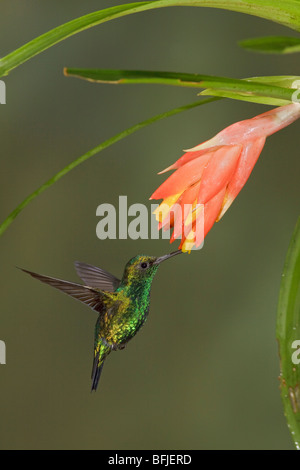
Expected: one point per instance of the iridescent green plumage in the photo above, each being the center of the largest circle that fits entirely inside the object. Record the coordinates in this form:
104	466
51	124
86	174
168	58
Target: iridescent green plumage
122	305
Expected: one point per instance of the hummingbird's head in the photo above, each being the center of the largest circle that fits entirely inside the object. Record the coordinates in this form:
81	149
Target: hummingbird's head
142	268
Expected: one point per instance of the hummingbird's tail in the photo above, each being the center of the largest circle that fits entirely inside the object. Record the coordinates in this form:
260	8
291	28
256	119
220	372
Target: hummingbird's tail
101	352
96	372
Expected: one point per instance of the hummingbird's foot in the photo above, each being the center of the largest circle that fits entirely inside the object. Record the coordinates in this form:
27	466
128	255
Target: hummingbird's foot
116	346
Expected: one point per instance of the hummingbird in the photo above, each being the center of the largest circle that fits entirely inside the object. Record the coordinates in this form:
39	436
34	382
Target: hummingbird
122	305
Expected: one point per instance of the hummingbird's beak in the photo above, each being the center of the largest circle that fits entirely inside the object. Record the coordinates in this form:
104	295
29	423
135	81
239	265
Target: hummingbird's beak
169	255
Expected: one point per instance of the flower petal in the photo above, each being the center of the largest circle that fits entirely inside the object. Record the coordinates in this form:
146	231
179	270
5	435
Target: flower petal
206	219
218	172
164	208
188	157
182	178
193	233
212	209
188	198
262	125
248	158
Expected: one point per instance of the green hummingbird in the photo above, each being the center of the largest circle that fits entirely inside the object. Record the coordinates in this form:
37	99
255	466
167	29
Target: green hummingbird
122	305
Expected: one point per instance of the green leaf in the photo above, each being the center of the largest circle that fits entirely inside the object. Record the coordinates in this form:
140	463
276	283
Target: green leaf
140	76
6	223
266	90
288	333
285	12
272	45
285	81
244	97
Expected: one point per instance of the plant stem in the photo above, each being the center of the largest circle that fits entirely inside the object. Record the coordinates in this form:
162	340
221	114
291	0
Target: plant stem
6	223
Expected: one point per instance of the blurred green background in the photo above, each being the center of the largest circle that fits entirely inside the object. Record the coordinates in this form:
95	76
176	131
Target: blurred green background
203	372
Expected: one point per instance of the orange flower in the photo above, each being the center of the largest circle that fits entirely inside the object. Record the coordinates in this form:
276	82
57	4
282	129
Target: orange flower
209	177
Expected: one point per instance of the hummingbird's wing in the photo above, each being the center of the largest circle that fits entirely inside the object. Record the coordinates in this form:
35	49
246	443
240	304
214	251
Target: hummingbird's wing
85	294
96	277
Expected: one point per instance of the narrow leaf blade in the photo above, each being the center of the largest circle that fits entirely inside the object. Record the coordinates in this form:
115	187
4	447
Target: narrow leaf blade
272	45
285	12
288	336
240	97
266	90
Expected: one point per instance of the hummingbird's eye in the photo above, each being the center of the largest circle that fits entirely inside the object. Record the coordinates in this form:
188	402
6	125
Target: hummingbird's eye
144	265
